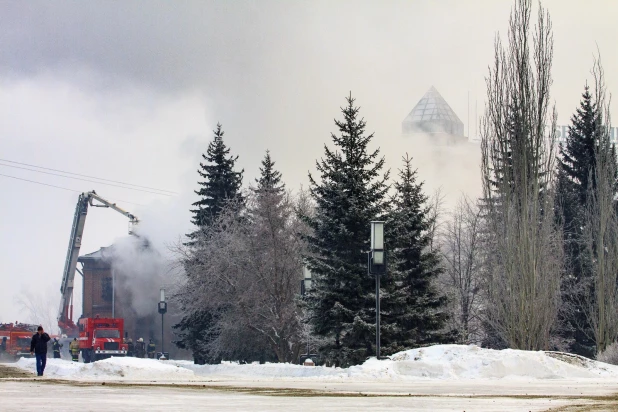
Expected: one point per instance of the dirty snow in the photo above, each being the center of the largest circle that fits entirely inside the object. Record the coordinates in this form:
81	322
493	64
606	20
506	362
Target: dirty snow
440	362
110	369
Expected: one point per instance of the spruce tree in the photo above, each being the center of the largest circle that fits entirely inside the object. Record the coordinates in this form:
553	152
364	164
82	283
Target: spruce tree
413	312
270	178
576	180
276	263
221	182
349	195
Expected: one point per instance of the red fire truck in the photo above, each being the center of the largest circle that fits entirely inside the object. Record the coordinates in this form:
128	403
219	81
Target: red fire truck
101	338
16	338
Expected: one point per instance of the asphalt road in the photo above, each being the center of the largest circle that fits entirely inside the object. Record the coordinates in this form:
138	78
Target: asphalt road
18	393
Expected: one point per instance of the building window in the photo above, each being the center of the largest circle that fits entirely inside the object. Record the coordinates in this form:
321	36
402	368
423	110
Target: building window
107	289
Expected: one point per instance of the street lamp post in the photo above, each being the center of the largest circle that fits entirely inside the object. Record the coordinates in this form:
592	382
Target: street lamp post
162	311
377	267
305	285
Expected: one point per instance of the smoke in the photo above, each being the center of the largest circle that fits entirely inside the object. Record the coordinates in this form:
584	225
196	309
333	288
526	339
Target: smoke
139	272
144	262
453	168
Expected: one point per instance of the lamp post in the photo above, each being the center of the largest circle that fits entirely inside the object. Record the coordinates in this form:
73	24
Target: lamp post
377	267
162	310
305	285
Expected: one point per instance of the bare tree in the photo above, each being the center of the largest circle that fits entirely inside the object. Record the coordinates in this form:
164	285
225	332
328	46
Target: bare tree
523	257
247	271
38	309
461	251
436	208
601	229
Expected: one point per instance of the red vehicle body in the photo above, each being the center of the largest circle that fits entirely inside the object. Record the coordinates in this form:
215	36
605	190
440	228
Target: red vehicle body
101	338
18	337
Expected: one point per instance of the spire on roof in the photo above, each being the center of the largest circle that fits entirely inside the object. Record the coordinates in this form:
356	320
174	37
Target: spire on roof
432	114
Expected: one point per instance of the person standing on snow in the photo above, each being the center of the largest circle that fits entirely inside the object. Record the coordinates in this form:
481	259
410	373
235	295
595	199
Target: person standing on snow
56	347
2	347
74	348
140	348
38	348
130	348
151	349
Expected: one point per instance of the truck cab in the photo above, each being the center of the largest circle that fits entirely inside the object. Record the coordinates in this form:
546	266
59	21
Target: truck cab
17	338
101	338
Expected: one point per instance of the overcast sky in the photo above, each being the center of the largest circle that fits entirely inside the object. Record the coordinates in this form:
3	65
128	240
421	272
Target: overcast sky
130	91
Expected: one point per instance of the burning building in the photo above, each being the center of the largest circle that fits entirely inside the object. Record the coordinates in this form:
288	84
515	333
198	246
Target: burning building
112	288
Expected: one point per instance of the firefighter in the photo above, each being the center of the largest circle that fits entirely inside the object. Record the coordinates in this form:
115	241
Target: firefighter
74	348
140	348
56	347
151	349
130	348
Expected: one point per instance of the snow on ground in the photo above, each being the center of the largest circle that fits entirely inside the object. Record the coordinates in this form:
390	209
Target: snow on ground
110	369
472	362
442	362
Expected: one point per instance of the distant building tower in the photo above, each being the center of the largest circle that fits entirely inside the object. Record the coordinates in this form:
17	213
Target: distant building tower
432	115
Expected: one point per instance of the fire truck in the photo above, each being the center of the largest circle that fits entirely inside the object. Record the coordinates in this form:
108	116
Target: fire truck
18	337
101	338
65	312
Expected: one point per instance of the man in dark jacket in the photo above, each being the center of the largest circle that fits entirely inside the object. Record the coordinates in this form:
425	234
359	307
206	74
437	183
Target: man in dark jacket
38	347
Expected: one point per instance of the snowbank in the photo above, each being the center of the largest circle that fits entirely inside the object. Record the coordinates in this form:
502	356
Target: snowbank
269	370
113	368
445	362
472	362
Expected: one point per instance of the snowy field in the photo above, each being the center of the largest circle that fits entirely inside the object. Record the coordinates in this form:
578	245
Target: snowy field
438	378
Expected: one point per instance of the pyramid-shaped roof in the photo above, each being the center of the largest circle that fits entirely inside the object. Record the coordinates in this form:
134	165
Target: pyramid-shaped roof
432	107
433	114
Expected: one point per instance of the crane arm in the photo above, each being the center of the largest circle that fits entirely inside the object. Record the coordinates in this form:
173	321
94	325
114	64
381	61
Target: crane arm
70	264
106	203
65	312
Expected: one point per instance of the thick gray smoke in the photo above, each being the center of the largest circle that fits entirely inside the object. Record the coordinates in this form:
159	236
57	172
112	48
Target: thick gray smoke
139	270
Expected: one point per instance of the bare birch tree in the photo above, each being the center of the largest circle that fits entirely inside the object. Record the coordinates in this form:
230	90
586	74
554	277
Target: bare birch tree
523	258
601	230
37	308
461	251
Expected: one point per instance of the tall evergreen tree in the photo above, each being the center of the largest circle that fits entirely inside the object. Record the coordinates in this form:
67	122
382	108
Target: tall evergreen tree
270	178
349	196
276	258
576	171
413	312
221	182
576	180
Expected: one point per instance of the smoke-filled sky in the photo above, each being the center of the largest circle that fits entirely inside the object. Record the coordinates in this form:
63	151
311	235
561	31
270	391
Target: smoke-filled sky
130	91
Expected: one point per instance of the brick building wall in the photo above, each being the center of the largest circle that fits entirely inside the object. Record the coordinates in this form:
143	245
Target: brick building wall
97	289
104	294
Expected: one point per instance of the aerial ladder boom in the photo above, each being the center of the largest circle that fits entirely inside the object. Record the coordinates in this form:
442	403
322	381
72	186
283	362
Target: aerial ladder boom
65	312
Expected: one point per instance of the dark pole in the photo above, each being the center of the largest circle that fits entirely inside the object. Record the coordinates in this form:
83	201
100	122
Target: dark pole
377	267
377	316
162	310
